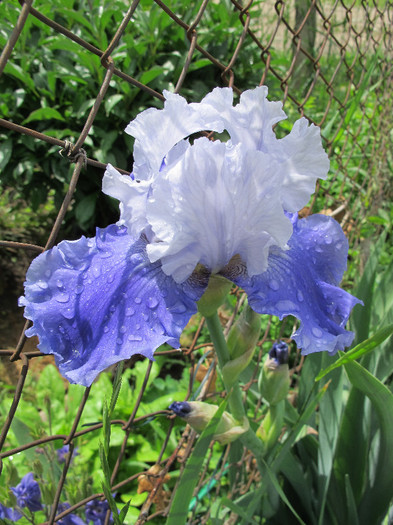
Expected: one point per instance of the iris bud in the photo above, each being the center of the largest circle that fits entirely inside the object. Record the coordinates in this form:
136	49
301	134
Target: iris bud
274	378
198	414
242	340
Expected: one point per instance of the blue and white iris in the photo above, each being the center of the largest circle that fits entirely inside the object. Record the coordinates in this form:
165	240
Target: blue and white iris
191	209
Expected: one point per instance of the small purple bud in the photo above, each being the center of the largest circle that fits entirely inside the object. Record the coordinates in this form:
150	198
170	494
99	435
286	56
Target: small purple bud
279	352
181	408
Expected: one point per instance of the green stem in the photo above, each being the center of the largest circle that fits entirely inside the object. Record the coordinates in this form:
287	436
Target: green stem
249	439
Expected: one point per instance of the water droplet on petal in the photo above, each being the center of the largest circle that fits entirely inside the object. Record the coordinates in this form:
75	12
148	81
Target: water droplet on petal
152	302
137	300
316	331
119	341
79	289
59	283
286	306
129	311
68	313
134	338
299	296
112	308
328	239
96	271
110	278
274	285
105	329
123	329
62	298
48	273
42	284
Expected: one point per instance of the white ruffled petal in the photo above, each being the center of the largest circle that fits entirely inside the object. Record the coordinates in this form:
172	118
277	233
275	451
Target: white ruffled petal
251	121
156	131
300	160
217	201
132	196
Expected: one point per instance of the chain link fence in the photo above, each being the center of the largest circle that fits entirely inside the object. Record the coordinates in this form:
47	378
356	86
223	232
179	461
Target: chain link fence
328	61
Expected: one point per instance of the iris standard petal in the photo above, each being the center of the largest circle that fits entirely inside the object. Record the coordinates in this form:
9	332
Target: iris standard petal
156	131
251	121
97	301
302	282
300	160
215	202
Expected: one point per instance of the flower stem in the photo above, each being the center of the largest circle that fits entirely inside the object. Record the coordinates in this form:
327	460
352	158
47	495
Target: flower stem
249	439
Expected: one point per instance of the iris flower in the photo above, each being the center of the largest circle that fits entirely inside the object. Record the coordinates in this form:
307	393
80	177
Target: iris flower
190	209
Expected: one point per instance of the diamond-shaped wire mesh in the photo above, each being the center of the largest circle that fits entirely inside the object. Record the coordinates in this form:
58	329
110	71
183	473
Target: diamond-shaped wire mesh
325	60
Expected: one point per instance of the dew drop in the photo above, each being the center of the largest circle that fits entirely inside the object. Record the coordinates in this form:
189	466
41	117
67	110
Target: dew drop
137	300
273	284
105	329
48	273
112	308
104	254
299	296
68	313
129	311
42	284
285	306
59	283
110	278
123	329
134	338
62	298
316	331
152	302
96	271
328	239
79	289
119	341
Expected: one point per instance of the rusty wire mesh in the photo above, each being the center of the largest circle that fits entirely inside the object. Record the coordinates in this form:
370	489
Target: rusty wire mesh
332	46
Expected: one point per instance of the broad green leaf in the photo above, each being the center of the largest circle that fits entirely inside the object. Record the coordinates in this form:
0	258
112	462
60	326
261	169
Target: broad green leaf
379	490
150	75
44	114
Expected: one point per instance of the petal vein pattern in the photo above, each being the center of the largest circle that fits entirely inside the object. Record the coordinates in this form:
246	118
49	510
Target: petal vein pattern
97	301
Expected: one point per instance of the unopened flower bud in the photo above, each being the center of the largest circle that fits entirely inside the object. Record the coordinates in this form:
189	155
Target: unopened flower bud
198	414
242	340
215	293
274	378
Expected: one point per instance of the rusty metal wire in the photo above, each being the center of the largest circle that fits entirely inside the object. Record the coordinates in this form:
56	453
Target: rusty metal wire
333	46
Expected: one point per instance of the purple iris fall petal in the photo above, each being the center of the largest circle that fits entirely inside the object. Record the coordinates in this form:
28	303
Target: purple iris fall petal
28	493
97	301
302	281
